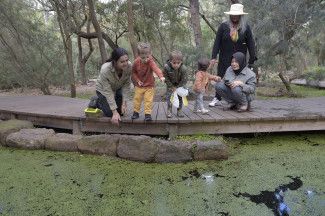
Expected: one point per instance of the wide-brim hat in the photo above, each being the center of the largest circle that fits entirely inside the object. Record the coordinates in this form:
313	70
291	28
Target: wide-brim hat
236	9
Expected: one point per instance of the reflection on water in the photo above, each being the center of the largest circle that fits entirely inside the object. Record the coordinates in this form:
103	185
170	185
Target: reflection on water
275	199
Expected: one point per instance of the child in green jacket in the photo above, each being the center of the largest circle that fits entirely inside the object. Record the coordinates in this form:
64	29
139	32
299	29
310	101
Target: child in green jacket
175	74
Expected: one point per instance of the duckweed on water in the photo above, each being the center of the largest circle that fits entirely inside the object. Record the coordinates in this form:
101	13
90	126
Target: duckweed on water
54	183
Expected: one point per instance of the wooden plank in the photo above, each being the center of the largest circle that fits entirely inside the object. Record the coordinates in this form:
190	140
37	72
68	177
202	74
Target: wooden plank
161	115
252	127
129	112
266	116
193	116
124	128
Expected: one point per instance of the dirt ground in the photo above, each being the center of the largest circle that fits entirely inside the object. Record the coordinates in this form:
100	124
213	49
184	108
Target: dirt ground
59	91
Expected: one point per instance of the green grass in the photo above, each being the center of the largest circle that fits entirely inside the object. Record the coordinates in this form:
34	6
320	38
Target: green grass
306	91
266	92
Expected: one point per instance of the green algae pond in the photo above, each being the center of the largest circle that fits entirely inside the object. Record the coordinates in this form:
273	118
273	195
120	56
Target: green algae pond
270	174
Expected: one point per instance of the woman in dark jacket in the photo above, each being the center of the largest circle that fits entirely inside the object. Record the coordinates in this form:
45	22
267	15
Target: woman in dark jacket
233	36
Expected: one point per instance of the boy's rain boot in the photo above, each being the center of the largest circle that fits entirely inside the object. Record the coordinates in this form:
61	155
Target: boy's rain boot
180	113
169	112
93	102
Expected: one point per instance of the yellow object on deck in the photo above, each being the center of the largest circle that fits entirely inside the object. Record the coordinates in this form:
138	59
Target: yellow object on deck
91	112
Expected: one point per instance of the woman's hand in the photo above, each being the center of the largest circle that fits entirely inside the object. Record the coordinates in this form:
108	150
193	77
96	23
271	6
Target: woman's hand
236	83
116	118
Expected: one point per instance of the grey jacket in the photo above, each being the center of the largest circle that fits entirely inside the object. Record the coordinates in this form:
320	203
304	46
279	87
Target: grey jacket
247	76
108	83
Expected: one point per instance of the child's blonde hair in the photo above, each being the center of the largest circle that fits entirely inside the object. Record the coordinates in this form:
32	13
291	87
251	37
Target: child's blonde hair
176	54
143	47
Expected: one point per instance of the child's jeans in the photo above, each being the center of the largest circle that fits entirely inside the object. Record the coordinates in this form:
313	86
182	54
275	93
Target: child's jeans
145	94
198	105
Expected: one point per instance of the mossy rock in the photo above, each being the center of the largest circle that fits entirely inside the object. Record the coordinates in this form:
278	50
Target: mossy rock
99	144
12	126
29	138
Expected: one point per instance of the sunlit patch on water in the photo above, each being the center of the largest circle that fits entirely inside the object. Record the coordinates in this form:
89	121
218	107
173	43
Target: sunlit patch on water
208	177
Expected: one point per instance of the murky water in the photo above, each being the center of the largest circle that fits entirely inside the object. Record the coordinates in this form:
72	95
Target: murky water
265	175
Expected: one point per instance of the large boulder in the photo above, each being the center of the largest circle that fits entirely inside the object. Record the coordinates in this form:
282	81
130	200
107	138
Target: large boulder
62	142
210	150
12	126
29	138
99	144
173	151
137	148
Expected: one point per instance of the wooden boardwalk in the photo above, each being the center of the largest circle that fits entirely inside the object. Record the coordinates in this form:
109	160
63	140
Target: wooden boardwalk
266	116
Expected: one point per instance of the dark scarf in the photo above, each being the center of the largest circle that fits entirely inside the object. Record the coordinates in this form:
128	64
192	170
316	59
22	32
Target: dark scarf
241	59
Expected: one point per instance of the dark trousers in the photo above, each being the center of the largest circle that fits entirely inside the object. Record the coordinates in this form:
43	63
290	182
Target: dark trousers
169	94
104	106
221	72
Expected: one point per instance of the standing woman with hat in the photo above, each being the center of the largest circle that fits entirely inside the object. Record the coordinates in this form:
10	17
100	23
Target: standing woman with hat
234	35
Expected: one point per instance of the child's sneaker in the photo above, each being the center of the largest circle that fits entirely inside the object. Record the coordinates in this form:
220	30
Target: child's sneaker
135	115
204	111
147	117
215	102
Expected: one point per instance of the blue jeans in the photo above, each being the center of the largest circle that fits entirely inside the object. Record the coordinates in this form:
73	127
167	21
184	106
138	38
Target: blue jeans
232	95
104	106
199	101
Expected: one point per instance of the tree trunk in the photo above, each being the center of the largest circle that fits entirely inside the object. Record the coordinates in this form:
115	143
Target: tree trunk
321	55
83	60
131	28
66	38
283	79
101	43
70	66
81	64
195	23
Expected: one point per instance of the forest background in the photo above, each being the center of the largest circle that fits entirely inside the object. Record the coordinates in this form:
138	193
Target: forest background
62	43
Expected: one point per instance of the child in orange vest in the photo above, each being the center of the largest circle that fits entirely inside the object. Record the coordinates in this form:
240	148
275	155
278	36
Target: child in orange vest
202	77
142	74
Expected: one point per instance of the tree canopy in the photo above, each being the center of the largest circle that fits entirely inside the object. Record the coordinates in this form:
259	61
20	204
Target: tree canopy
61	42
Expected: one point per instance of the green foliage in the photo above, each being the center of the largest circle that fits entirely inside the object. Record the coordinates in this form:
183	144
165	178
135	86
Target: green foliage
32	53
315	74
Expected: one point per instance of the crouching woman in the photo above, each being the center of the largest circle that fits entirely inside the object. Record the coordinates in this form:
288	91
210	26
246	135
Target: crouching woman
238	85
113	85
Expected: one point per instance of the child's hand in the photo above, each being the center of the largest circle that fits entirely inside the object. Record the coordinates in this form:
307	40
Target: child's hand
217	79
213	62
140	83
162	79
